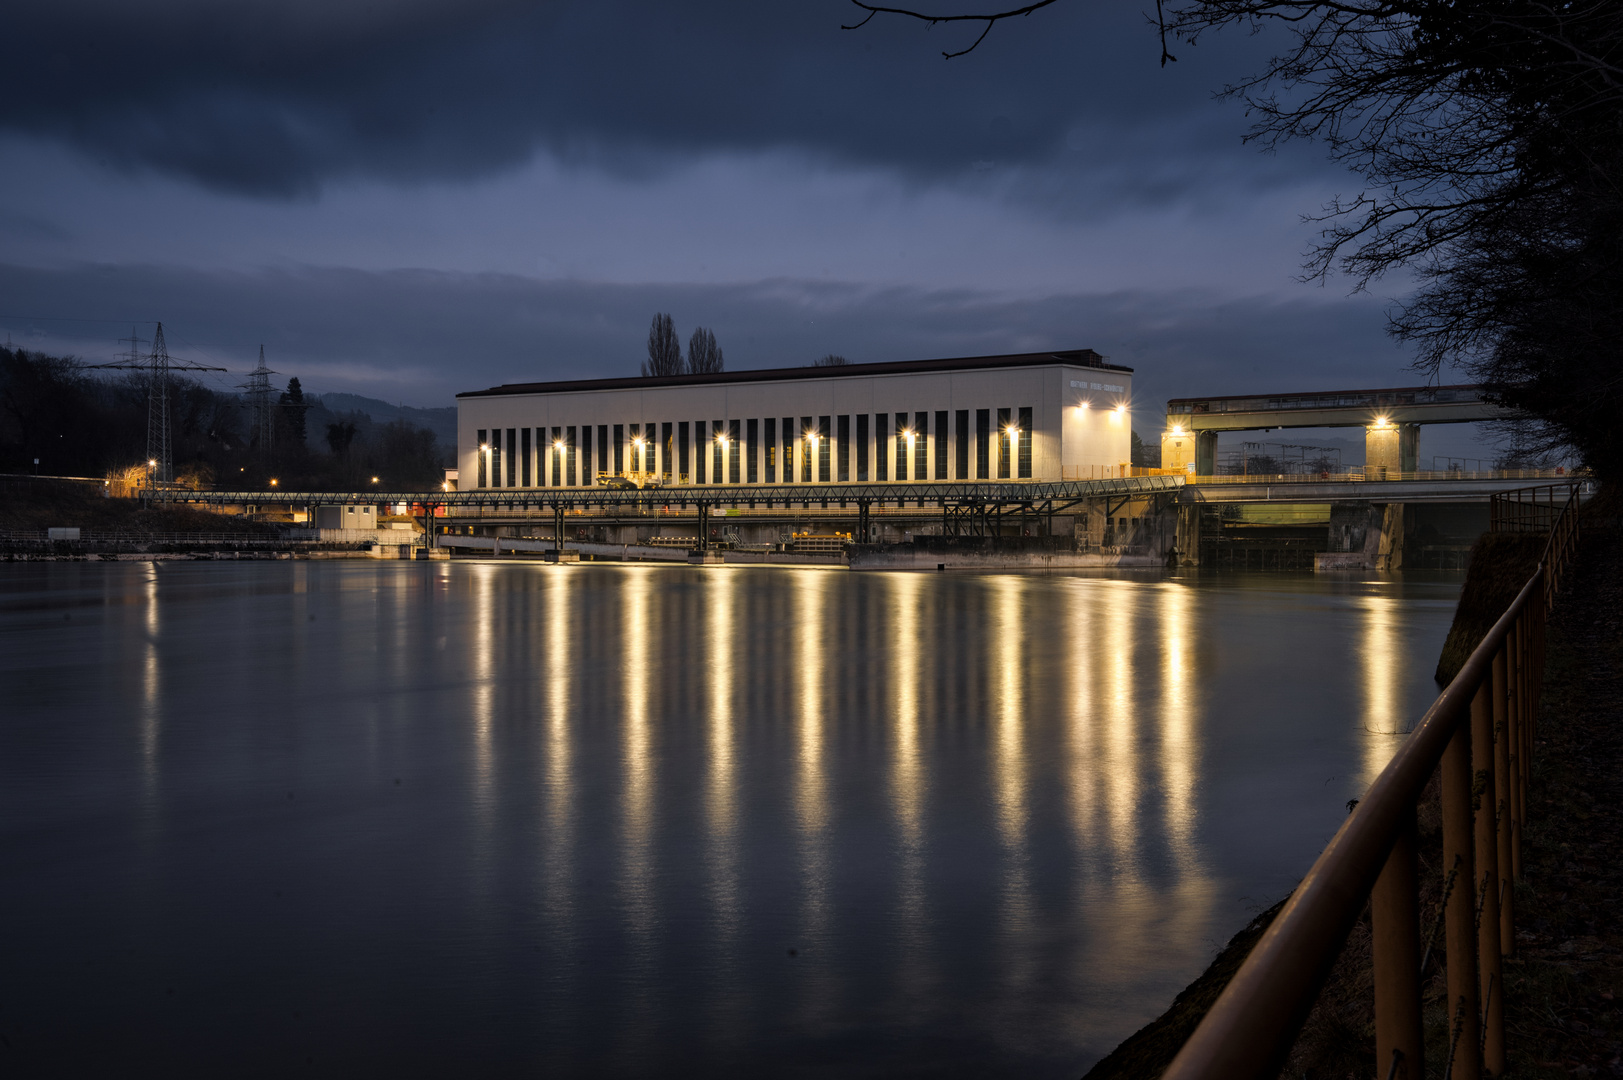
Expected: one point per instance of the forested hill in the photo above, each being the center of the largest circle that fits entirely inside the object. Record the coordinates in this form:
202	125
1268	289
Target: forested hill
442	422
77	421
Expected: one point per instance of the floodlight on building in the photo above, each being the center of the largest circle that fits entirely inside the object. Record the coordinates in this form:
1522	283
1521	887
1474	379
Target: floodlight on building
1122	407
558	445
484	447
1382	421
1177	429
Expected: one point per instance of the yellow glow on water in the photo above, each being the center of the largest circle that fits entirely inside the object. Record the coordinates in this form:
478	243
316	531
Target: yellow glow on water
1005	643
1383	662
559	749
1176	716
907	778
721	788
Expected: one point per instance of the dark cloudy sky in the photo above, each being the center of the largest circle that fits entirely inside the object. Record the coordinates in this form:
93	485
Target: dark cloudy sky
406	199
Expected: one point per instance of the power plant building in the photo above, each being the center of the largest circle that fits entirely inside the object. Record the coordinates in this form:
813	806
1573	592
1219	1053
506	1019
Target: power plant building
1026	417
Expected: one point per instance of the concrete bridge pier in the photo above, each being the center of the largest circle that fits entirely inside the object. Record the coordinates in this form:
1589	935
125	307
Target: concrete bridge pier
1186	543
1374	531
1391	449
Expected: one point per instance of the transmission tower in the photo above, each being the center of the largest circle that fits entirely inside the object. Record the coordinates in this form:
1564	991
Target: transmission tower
260	399
157	364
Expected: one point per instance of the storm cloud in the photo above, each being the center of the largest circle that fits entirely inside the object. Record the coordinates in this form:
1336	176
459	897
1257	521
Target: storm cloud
277	98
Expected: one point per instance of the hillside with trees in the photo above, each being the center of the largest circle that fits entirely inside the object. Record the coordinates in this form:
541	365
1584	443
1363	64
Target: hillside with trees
76	421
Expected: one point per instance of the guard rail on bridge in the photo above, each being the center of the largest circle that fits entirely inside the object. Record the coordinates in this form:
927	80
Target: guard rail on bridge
958	493
1480	731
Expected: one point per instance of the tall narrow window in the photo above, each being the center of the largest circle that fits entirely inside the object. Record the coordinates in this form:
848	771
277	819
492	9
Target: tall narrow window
843	452
496	457
634	448
1024	454
559	457
825	448
571	456
524	456
618	443
701	452
512	457
717	459
588	474
921	446
484	480
771	442
961	472
983	444
903	430
602	448
752	457
665	451
735	451
682	449
881	446
806	444
1003	423
862	448
941	445
791	440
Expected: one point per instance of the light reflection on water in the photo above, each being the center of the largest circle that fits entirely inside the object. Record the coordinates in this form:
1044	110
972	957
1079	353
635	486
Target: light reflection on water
655	819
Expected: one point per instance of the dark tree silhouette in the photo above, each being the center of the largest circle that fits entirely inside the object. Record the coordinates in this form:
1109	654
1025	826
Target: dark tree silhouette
831	360
293	408
664	350
704	355
339	437
1489	137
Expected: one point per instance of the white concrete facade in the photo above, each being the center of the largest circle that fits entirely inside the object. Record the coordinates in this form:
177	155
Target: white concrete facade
1043	416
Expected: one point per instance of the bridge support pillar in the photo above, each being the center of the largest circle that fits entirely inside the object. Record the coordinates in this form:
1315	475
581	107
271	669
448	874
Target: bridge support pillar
1206	453
1187	544
1391	450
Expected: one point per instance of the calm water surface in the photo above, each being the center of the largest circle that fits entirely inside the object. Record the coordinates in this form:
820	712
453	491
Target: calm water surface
476	819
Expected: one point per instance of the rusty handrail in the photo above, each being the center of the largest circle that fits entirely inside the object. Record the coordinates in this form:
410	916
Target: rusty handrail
1479	732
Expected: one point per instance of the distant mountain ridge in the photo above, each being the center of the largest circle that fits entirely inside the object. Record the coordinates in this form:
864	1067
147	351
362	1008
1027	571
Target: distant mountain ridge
442	422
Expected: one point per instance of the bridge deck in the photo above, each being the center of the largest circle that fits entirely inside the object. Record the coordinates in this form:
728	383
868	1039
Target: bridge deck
1054	494
1333	408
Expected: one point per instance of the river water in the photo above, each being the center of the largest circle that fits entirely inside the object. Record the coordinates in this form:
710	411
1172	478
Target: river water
354	818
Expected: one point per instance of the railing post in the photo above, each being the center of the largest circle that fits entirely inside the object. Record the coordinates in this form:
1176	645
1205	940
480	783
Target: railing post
1504	806
1504	690
1464	1054
1490	969
1395	914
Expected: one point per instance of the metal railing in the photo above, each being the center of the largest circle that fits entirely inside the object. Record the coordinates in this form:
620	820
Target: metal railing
1531	509
1360	475
1480	732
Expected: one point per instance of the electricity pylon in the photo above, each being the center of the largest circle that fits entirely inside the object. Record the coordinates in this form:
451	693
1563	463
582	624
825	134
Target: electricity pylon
157	365
259	398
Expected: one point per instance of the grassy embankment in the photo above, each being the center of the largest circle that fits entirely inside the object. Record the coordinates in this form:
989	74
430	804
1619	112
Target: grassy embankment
1562	987
35	506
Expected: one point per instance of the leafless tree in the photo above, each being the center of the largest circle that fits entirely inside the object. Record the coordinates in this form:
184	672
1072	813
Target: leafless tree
987	19
831	360
664	350
1489	138
704	355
